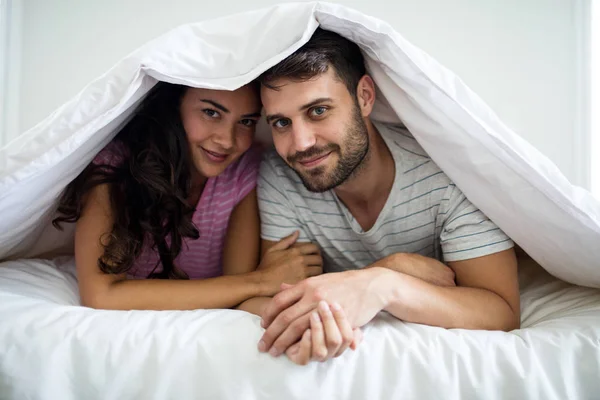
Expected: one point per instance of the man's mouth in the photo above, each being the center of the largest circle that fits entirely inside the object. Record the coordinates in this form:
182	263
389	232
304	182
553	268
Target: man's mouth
314	161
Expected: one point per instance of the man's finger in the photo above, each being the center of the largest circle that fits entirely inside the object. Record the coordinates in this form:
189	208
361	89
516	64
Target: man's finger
285	243
319	347
333	337
358	336
344	326
280	302
281	324
285	286
290	335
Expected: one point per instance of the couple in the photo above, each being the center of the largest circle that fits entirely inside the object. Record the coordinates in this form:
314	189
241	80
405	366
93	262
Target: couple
184	195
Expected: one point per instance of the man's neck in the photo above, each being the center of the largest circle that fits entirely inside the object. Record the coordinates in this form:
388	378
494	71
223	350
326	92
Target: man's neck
367	190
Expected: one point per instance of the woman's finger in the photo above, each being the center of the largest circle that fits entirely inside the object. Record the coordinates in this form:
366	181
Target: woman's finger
299	353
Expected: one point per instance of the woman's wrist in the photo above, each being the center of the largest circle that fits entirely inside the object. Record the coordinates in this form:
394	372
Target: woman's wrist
260	283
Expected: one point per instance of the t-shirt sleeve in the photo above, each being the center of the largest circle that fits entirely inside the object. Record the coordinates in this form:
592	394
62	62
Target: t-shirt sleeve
278	217
466	231
113	154
246	172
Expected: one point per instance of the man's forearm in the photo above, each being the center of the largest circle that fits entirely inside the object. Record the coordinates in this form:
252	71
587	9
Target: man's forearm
414	300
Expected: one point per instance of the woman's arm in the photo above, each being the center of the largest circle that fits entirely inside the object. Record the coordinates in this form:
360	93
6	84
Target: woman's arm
242	243
107	291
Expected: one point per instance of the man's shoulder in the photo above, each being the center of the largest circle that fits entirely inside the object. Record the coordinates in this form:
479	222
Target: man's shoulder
273	167
414	161
275	174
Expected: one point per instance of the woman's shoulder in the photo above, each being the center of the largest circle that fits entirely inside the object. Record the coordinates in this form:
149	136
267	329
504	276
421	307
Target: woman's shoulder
113	154
241	175
246	164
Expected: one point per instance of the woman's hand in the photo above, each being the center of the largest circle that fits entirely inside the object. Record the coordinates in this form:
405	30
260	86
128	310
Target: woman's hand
288	262
330	334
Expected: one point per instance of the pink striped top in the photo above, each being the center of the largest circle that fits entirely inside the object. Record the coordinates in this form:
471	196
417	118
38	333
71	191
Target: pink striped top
201	258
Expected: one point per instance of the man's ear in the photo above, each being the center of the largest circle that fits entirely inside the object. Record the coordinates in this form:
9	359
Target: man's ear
365	94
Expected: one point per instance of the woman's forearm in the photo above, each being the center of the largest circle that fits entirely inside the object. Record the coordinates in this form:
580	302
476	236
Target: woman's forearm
254	305
168	294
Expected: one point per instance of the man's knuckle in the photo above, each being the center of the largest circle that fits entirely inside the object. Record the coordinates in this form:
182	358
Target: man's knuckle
278	302
286	318
297	329
319	294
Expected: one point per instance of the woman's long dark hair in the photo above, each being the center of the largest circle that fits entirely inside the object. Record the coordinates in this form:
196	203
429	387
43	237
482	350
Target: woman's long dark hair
148	190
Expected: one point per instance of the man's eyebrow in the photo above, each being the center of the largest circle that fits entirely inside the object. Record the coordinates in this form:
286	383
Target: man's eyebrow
216	105
315	102
274	116
304	107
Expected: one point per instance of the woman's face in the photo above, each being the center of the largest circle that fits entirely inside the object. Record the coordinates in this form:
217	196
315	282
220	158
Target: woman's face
220	126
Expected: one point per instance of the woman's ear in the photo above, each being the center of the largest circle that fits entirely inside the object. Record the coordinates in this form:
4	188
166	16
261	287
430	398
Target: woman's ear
365	94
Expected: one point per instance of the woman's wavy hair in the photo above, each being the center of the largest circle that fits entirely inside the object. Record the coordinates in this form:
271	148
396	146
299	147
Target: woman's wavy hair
148	189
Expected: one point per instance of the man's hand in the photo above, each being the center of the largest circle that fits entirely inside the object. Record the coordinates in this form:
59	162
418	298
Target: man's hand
427	269
359	293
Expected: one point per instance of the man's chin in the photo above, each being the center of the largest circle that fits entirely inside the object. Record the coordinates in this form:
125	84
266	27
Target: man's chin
316	185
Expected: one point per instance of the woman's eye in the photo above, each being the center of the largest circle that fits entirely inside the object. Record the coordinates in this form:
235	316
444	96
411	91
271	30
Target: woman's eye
318	111
249	122
211	113
281	123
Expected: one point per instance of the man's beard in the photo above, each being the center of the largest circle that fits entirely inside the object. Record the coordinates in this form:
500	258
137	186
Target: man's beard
351	157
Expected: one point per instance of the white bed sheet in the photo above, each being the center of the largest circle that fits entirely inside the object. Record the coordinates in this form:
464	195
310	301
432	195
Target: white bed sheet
51	348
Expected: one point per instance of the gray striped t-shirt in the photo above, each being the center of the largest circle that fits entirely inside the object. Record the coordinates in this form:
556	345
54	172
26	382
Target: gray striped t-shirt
425	213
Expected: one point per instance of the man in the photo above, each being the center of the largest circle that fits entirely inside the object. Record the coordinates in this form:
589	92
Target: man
384	215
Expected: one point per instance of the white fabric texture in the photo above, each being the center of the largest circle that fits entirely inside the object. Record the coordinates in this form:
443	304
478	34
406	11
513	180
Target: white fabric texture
557	223
51	348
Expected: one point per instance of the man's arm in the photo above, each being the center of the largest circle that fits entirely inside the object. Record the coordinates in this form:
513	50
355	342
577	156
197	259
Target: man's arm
487	299
487	295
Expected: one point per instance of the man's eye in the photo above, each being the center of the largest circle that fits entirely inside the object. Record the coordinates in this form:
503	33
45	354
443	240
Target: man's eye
281	123
318	111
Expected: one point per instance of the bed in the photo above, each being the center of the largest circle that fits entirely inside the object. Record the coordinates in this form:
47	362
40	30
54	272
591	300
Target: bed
52	348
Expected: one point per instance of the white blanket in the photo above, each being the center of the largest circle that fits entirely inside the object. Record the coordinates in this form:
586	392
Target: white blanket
50	348
557	223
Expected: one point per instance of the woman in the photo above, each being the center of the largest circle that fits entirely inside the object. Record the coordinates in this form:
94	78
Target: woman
173	196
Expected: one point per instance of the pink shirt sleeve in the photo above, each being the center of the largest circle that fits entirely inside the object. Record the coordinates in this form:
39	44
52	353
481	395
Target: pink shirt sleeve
113	154
246	171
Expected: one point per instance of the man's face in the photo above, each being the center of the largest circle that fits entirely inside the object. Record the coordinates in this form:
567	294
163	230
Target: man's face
318	129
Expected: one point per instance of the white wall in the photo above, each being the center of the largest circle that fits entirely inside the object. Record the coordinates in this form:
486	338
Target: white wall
10	67
595	103
521	56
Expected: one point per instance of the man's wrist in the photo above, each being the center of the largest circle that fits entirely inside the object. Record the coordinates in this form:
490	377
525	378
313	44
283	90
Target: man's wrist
386	284
399	262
